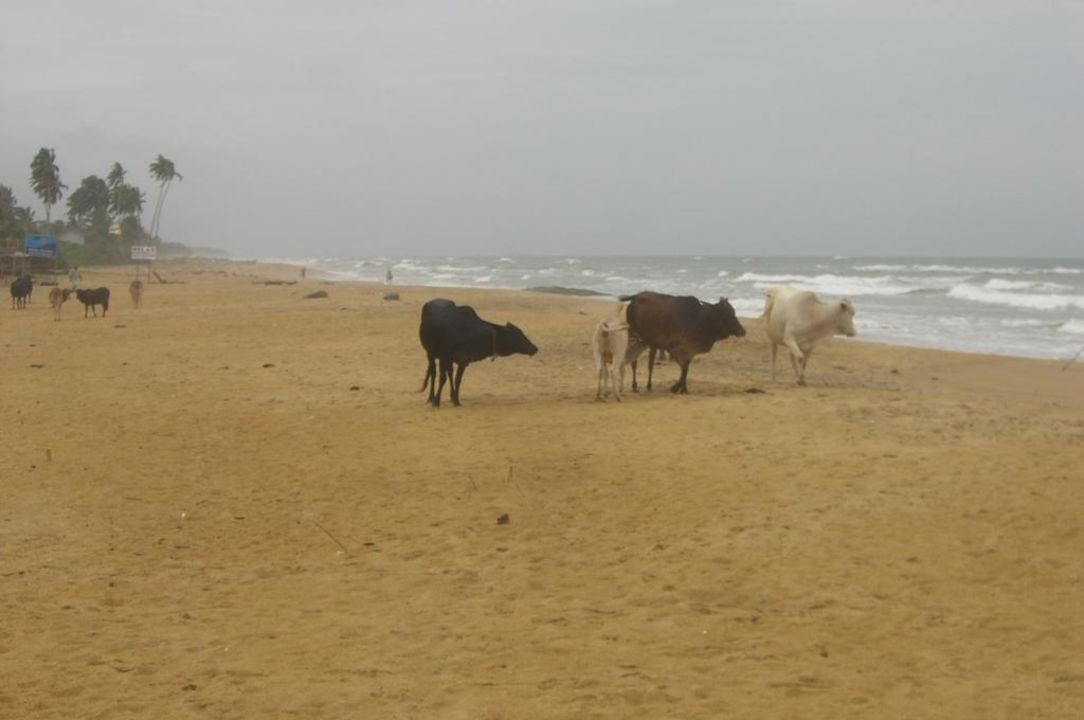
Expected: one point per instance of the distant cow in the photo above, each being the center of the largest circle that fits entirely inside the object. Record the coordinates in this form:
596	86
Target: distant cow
58	297
136	291
455	335
797	319
21	289
90	298
682	326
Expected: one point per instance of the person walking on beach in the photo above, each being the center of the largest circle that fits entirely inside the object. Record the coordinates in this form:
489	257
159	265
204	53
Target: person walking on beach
387	277
75	277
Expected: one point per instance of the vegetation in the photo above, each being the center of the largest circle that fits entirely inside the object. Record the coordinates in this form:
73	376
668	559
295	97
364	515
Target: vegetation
163	170
104	218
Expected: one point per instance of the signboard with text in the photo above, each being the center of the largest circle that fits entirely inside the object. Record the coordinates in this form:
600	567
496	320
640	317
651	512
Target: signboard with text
144	252
41	246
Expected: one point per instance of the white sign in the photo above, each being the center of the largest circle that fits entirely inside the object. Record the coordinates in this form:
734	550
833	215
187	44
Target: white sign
144	252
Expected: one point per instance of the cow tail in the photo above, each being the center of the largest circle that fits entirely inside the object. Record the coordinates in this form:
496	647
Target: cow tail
429	372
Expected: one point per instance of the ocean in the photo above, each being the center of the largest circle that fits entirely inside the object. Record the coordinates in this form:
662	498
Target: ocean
1016	306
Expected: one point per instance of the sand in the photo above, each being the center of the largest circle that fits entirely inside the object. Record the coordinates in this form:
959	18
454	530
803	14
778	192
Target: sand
234	503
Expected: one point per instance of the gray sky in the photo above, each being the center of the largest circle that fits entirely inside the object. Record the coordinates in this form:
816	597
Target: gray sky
552	127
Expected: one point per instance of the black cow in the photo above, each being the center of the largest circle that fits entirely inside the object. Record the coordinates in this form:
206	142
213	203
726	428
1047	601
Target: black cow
21	289
90	298
455	335
682	326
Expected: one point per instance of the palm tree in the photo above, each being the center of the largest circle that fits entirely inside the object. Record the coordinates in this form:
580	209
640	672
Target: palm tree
45	179
115	180
163	170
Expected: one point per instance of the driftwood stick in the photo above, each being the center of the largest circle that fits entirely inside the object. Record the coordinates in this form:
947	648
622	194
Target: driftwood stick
333	538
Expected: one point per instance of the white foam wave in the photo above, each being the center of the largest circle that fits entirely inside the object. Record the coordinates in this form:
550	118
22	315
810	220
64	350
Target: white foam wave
1024	323
1034	301
1074	326
999	284
833	284
1066	271
460	268
940	268
747	307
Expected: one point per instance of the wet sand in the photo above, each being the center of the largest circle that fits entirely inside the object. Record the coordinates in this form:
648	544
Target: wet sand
234	503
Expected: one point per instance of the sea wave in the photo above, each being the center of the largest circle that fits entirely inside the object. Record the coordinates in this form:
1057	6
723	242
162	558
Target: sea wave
939	268
999	284
1034	301
833	284
1074	326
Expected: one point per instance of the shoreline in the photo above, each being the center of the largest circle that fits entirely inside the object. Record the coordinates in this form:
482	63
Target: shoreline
910	343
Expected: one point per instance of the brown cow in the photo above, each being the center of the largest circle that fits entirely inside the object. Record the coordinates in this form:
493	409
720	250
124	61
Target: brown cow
58	297
136	291
682	326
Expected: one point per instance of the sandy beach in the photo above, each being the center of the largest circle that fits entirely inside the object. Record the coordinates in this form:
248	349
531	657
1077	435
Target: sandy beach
234	503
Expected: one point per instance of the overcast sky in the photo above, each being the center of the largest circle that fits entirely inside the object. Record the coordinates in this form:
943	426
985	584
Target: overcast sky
551	127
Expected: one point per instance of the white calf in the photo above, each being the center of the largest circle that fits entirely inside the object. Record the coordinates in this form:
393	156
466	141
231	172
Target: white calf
610	345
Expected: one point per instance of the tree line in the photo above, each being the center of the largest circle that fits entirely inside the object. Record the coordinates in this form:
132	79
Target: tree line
107	213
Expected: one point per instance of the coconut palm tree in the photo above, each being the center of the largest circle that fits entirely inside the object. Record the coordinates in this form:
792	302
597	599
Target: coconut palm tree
45	180
163	170
115	180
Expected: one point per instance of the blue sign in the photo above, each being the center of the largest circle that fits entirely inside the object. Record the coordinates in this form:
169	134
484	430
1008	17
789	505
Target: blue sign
41	245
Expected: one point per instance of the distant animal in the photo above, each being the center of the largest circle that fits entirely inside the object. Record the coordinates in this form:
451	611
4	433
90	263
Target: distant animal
90	298
58	297
21	289
454	336
135	289
798	320
682	326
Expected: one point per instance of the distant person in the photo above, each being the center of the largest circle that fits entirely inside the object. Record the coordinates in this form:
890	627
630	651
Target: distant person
75	278
387	277
302	273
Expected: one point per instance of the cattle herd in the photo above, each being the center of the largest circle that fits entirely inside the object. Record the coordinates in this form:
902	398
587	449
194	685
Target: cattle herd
454	336
22	288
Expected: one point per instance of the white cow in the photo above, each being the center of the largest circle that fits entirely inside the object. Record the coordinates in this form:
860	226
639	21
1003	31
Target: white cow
798	319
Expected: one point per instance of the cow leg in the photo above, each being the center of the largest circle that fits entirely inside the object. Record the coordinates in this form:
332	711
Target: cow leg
679	387
650	366
445	372
635	387
796	355
457	382
775	351
619	388
430	378
802	363
601	379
